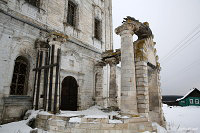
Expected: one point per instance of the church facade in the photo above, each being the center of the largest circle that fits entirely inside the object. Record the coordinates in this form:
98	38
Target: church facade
58	55
32	33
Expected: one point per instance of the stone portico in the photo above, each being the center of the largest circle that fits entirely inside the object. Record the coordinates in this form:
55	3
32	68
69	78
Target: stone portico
139	103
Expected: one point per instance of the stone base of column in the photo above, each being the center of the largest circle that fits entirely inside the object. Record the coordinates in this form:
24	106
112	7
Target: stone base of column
112	102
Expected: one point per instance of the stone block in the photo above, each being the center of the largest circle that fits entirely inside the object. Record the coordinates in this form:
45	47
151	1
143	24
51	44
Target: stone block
142	101
143	110
142	79
53	128
142	97
55	122
64	118
121	126
142	92
115	131
145	106
142	83
107	126
78	130
95	120
138	75
142	88
141	63
133	126
44	117
90	125
140	72
136	120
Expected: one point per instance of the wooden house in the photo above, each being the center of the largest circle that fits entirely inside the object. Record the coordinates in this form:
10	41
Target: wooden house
192	98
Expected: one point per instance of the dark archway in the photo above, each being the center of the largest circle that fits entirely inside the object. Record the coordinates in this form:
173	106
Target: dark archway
69	94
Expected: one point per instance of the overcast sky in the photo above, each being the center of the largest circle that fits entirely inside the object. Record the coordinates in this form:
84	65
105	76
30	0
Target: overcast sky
176	28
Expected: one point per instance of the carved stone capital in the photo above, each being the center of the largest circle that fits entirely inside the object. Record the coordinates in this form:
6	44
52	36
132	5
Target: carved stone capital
112	61
55	36
126	28
41	44
100	64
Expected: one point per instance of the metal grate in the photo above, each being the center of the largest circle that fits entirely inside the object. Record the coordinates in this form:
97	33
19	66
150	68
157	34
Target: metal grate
71	13
19	77
97	29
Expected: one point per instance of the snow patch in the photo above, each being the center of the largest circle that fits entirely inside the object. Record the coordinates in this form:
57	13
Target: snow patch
20	126
182	119
75	120
115	121
96	116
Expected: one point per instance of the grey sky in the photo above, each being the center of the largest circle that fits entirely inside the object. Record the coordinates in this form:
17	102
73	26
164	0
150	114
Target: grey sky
171	21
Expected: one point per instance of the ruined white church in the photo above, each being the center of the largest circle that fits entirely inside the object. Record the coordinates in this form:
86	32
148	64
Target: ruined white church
58	55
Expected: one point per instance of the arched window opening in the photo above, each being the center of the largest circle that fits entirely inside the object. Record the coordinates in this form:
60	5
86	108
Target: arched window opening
20	76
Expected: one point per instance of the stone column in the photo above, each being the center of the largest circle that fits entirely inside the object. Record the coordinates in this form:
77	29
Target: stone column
113	85
128	83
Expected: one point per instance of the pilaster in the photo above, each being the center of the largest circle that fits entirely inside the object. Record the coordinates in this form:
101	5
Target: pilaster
98	92
142	78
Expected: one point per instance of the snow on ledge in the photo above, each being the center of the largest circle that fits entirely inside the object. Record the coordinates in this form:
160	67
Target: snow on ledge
96	116
115	121
75	120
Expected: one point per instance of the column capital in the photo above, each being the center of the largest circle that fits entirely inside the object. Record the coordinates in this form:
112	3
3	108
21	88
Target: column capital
41	44
128	27
112	61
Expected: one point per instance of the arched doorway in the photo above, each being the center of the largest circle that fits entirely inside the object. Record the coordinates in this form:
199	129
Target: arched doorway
69	94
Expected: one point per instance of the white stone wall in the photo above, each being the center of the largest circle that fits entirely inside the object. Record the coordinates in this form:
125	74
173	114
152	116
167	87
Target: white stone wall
16	39
53	14
21	24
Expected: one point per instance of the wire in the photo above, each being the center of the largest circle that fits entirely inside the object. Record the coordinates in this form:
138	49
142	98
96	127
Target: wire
181	48
181	44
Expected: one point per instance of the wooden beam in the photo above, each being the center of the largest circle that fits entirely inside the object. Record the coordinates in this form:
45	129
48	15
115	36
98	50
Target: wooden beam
38	81
56	82
45	67
33	98
51	79
46	74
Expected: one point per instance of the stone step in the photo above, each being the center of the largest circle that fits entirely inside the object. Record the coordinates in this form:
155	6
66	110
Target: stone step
95	120
135	120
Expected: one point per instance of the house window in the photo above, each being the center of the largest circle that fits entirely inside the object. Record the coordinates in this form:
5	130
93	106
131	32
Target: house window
97	29
20	75
71	13
34	2
196	101
191	101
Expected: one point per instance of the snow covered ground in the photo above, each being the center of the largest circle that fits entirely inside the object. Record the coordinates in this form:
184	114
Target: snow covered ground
19	127
179	119
182	119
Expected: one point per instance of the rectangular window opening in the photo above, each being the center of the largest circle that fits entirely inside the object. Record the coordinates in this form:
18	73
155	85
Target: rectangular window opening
35	3
71	13
191	101
196	101
97	29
